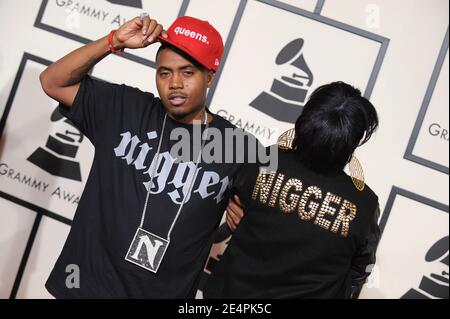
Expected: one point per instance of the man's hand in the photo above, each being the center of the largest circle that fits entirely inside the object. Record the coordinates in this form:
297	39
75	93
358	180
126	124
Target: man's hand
235	212
138	33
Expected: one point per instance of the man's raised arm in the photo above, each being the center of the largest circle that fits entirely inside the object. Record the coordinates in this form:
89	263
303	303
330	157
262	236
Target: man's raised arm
61	79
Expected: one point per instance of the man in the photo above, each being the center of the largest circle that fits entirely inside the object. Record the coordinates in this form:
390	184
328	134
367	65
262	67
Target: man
144	225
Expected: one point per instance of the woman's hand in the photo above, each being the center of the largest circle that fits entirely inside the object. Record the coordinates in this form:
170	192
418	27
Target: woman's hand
235	212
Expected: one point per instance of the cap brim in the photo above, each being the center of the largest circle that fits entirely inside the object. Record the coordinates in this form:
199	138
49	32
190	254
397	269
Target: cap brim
182	48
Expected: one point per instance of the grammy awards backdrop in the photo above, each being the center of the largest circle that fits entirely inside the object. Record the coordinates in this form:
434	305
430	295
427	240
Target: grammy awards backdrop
276	54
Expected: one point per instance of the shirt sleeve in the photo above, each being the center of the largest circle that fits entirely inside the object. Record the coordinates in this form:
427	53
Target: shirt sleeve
242	181
96	102
245	178
365	257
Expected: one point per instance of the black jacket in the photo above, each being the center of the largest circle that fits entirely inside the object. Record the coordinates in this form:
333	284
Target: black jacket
303	235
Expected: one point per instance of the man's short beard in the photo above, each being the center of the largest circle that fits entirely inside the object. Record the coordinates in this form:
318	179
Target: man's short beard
180	116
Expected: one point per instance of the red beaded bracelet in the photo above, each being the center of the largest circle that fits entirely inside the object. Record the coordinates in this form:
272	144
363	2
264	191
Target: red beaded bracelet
111	46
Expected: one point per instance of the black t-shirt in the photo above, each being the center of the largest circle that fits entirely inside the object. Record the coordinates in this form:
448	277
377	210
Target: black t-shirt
294	240
124	125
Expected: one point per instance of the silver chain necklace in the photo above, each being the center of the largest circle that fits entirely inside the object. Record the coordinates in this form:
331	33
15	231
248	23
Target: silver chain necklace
156	246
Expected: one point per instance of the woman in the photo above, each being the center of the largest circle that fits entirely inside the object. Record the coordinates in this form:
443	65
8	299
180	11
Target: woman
309	230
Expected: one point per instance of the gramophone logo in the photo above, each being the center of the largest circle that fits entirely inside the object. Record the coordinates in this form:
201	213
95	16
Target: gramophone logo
288	93
434	284
57	157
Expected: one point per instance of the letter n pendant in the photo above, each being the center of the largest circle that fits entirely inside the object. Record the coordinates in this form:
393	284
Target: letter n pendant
149	258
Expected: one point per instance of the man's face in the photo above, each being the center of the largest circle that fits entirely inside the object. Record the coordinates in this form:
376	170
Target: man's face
181	85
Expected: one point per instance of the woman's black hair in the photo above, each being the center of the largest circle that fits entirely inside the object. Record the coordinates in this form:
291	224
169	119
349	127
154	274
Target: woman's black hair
335	120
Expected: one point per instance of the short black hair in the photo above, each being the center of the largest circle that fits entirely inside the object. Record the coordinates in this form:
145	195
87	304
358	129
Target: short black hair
165	45
334	122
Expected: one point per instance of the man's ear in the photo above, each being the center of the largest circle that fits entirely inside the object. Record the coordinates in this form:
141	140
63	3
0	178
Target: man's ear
210	77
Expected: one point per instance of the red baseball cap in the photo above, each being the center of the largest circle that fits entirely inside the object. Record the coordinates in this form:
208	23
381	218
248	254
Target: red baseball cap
198	39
